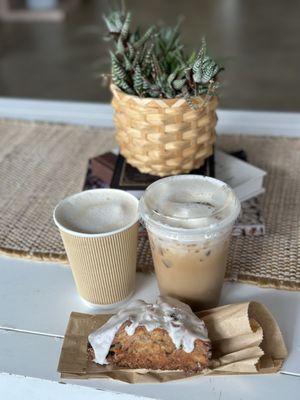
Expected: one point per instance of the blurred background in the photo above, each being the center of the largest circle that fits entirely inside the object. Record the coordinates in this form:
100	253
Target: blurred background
52	49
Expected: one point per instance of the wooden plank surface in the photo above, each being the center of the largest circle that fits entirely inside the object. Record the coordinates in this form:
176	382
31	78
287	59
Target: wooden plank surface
39	297
14	387
26	356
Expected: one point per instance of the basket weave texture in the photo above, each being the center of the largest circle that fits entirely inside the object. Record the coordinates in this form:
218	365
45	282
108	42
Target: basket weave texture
164	136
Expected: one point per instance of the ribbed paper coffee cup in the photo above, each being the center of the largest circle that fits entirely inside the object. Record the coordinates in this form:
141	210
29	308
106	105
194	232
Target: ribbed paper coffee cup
103	264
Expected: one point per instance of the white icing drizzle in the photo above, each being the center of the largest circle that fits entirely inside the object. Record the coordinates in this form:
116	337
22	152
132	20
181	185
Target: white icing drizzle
167	313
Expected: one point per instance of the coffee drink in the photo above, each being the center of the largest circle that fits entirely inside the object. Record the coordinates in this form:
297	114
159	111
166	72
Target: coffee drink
189	219
98	212
99	229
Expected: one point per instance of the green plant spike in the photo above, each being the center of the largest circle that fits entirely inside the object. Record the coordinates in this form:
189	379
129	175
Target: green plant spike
136	59
201	57
178	84
207	74
206	61
197	76
125	87
109	24
125	27
148	55
131	51
145	37
114	21
146	85
138	80
118	72
120	46
203	49
216	70
171	78
191	59
197	65
127	63
143	53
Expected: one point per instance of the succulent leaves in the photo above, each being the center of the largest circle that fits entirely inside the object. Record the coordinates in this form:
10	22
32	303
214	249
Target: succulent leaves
153	64
138	80
125	28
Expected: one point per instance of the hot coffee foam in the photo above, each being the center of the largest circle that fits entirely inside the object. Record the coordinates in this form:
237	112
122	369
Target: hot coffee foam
99	211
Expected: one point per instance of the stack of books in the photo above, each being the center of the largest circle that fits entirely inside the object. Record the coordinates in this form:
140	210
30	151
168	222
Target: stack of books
245	179
111	170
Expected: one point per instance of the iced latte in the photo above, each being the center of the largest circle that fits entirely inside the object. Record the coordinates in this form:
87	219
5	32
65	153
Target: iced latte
189	220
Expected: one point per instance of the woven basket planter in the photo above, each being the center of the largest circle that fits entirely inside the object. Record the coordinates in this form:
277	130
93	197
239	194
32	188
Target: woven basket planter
164	136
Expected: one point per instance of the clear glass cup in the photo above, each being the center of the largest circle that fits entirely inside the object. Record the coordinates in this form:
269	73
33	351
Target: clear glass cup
189	219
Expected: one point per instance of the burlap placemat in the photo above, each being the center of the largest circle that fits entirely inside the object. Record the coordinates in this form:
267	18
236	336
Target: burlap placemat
40	164
272	260
43	163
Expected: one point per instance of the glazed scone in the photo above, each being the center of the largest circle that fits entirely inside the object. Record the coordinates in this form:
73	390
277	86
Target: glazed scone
166	335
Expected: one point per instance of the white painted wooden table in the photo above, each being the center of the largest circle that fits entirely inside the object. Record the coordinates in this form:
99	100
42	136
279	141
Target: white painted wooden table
37	298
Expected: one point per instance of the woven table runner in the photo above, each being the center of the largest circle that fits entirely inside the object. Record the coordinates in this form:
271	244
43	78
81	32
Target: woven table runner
42	163
272	260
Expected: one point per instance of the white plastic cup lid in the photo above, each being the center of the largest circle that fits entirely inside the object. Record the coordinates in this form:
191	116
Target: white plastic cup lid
189	205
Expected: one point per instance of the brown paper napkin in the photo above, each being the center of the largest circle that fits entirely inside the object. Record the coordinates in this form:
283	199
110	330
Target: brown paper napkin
245	340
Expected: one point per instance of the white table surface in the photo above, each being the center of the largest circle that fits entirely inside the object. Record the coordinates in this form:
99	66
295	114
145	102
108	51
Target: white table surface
37	299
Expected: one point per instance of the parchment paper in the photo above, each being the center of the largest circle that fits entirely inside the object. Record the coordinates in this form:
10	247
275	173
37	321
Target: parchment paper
245	340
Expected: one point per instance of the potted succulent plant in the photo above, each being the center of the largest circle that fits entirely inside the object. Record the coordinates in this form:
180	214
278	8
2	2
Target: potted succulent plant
164	100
